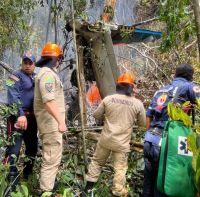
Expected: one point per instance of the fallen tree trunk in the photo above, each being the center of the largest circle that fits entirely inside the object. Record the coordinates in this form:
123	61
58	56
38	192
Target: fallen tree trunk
94	134
6	67
135	146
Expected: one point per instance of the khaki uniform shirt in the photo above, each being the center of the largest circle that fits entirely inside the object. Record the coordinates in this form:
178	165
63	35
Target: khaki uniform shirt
120	113
48	87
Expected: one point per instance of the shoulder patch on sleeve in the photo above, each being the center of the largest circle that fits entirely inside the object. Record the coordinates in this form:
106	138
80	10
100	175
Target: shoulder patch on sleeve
161	99
49	87
48	79
196	89
12	80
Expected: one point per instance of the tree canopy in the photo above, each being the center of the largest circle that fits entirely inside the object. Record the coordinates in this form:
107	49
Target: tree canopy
14	28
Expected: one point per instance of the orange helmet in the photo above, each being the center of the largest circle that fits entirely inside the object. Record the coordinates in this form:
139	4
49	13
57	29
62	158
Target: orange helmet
127	78
51	50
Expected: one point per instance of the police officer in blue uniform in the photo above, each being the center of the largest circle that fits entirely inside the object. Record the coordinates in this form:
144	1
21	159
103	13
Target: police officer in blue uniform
180	90
22	126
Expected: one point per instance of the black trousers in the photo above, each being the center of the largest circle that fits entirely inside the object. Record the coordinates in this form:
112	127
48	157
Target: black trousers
31	144
151	160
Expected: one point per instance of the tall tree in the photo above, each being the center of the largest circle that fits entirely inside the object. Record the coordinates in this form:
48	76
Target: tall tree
196	5
179	20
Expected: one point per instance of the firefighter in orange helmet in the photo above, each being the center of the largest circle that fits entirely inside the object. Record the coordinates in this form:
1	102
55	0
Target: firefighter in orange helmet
49	108
120	112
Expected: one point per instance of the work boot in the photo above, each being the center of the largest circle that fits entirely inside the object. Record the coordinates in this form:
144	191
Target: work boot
28	168
88	189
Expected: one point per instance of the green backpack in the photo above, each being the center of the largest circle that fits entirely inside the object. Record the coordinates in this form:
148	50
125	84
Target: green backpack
175	173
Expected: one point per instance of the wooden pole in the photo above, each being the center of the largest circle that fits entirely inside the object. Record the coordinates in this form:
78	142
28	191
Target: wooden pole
80	88
55	23
6	67
196	5
48	23
80	49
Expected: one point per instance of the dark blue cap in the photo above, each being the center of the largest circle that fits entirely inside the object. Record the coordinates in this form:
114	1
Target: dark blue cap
30	56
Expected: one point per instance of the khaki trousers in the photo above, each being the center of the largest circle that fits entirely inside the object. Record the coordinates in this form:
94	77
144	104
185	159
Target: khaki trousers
51	158
120	165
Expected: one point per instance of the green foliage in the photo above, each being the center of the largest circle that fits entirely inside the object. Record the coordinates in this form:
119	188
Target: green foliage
69	176
175	112
125	35
103	186
3	175
14	28
135	174
67	193
46	194
179	20
6	111
109	10
63	9
21	191
79	6
194	146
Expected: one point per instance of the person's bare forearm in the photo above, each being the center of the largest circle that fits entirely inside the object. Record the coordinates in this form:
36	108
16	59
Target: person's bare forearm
148	122
52	109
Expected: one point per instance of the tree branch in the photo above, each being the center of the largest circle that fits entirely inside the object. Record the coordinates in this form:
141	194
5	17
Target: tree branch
6	67
152	60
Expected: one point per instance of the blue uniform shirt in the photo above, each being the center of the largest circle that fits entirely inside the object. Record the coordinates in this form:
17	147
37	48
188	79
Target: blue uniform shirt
21	91
179	91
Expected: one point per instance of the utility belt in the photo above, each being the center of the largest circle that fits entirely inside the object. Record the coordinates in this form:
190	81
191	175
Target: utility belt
12	120
26	113
154	135
156	131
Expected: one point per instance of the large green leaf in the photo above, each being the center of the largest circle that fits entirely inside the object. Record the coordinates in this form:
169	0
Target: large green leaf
192	142
67	193
197	179
24	190
193	145
175	112
46	194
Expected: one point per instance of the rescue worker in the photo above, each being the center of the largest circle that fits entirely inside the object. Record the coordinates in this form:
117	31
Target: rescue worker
120	111
179	91
21	92
49	108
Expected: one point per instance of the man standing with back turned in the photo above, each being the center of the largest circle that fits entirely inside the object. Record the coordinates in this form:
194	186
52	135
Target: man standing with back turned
180	90
49	108
120	112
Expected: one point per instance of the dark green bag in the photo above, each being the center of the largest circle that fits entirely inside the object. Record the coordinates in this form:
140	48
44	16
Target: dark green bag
175	173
